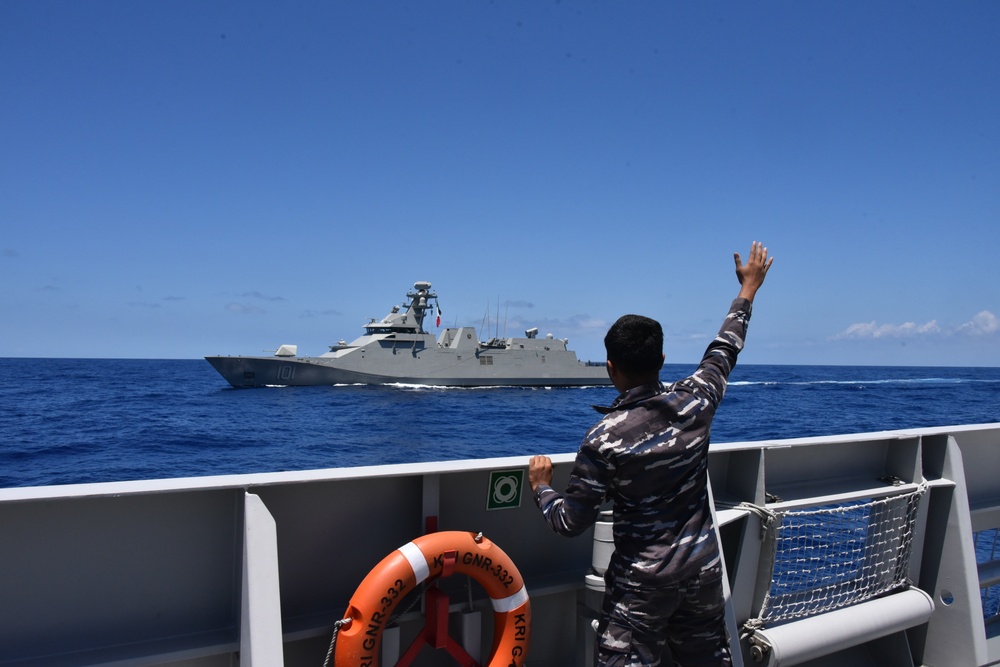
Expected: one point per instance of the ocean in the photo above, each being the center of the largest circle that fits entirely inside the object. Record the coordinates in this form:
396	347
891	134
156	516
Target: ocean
66	421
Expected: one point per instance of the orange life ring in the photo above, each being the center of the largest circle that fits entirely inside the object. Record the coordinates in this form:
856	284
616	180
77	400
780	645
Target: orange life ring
427	558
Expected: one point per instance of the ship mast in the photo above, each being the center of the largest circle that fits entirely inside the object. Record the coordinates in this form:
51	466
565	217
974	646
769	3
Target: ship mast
420	297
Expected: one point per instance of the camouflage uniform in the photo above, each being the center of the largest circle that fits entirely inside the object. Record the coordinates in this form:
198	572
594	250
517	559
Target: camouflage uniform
649	455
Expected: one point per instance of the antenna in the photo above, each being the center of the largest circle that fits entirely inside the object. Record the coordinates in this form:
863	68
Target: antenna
486	321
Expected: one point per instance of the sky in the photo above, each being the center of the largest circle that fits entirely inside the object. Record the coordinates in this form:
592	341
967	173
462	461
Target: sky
190	178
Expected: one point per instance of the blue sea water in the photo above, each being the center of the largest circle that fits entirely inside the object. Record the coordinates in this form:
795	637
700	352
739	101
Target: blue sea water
67	421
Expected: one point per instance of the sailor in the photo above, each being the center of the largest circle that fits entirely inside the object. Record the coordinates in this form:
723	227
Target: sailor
663	601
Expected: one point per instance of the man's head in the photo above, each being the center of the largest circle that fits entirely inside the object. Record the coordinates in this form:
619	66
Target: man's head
635	350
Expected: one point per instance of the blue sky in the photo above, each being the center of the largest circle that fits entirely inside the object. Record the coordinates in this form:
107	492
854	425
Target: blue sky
179	179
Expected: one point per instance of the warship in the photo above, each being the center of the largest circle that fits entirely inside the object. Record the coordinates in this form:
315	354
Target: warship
397	349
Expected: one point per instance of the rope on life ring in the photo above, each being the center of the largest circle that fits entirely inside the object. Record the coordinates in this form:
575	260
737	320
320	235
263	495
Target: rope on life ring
427	558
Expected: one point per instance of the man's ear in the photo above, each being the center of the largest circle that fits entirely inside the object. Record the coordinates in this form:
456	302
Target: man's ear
617	378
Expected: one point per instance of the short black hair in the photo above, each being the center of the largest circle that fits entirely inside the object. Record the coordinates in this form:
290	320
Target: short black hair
635	344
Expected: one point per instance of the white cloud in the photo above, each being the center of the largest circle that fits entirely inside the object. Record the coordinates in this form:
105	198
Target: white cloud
263	297
984	323
875	330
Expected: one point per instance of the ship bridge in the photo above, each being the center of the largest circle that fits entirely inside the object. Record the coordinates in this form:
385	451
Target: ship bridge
409	318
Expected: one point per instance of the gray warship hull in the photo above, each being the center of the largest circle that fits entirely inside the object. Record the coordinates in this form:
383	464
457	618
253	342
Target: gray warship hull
431	368
397	350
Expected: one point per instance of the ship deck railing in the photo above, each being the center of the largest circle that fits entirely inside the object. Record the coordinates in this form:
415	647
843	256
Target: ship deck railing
257	568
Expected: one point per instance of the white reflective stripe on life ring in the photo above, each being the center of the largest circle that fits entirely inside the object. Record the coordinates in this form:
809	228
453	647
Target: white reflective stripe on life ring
417	561
511	602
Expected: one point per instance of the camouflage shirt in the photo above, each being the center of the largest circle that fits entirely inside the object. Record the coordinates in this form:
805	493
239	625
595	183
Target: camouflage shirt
649	455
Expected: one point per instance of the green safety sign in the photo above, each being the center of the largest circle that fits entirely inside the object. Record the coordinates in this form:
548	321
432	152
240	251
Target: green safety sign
505	489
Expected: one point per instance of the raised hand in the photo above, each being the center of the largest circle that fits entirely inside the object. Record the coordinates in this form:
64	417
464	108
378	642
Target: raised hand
751	275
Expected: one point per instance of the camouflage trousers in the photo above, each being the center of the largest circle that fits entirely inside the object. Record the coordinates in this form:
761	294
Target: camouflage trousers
680	626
